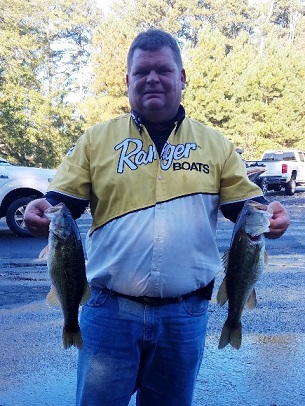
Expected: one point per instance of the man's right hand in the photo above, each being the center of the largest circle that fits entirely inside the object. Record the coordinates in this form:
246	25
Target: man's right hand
34	219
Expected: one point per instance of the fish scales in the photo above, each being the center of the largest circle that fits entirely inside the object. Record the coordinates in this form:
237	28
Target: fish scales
67	269
243	265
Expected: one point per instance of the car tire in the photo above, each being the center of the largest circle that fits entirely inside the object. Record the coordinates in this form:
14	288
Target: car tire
290	187
277	188
15	216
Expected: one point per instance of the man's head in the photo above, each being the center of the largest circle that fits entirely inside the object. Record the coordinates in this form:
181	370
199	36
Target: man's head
155	76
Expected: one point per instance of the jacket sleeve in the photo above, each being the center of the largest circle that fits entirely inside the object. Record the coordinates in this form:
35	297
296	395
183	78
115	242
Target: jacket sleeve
232	210
76	206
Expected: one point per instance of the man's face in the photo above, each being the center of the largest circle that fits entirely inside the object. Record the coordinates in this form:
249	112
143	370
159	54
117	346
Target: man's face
155	84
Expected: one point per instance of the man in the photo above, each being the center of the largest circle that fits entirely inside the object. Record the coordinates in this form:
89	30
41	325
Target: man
154	179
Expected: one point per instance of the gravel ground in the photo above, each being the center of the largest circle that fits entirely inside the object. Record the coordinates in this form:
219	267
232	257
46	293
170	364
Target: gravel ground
268	370
297	199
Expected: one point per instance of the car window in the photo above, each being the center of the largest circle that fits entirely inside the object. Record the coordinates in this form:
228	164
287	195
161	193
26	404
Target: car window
301	156
289	156
3	162
273	156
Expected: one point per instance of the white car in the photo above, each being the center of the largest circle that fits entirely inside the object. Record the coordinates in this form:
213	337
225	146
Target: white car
18	186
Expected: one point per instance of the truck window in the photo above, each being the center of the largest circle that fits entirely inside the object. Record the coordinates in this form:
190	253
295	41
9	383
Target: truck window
289	156
301	156
3	162
273	156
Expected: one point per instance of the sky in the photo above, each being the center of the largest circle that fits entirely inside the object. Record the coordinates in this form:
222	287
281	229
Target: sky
104	4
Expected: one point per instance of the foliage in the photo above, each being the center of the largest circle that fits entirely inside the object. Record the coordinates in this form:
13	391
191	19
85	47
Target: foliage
252	98
63	67
43	49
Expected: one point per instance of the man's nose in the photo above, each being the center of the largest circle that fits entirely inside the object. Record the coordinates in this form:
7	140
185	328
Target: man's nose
152	77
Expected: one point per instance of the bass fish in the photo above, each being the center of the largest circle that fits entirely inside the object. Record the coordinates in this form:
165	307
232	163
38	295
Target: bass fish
67	270
243	264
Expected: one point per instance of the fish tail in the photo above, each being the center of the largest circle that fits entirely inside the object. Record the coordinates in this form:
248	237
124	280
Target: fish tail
72	339
230	336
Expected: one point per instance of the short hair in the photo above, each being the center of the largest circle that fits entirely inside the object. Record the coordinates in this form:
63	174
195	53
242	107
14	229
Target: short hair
153	40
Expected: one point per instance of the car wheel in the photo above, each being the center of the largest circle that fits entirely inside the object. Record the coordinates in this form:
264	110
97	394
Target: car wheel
15	216
277	188
290	187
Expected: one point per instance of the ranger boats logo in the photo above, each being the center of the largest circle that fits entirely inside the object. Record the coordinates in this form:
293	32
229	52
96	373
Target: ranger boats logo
132	156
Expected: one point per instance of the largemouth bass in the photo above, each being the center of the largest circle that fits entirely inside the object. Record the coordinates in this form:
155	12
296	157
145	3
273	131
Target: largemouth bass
66	265
243	265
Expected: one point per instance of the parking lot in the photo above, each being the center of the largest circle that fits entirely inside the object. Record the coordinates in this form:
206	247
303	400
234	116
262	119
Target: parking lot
268	370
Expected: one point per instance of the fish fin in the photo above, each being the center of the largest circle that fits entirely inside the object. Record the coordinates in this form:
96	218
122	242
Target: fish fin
52	298
44	253
251	302
230	336
266	257
72	338
222	295
86	294
225	260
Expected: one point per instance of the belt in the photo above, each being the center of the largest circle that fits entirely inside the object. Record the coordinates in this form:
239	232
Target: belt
205	293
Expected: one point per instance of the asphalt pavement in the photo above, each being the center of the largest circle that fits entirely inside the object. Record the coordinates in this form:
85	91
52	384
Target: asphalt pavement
268	369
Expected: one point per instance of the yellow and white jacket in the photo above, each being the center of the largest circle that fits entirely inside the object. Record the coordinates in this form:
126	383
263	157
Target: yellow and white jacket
154	218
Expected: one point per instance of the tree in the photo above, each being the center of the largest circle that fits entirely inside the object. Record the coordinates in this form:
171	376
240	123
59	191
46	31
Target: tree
44	48
245	69
256	100
107	94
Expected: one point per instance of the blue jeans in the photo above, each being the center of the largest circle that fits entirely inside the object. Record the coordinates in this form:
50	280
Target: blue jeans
129	347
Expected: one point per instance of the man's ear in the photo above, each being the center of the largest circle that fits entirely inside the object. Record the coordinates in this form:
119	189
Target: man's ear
183	79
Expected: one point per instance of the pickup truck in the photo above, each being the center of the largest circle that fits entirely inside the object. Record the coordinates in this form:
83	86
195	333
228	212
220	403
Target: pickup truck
284	169
18	186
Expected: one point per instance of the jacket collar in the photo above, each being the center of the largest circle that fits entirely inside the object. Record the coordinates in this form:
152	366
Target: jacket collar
175	122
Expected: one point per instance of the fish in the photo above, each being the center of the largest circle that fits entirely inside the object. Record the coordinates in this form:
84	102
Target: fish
243	265
67	271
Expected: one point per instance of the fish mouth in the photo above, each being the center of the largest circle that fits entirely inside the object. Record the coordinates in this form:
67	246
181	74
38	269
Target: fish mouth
257	205
262	207
254	237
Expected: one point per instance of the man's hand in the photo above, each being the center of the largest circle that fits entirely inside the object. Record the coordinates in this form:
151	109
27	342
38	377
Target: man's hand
34	219
279	221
